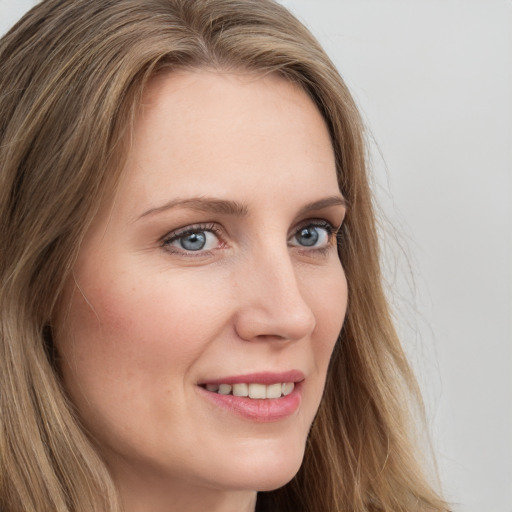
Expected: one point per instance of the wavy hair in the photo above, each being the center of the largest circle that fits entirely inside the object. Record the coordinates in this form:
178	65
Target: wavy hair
72	73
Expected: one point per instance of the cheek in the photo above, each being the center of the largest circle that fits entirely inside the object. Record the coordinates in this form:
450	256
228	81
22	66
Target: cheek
127	348
329	297
129	333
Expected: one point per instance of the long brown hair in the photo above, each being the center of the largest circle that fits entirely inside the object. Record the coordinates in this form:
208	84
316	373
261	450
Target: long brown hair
72	73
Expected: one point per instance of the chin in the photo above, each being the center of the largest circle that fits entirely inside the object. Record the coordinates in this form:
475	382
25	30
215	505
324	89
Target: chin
268	470
273	482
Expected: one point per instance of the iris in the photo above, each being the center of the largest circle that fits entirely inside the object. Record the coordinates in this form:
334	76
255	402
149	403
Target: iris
308	236
193	241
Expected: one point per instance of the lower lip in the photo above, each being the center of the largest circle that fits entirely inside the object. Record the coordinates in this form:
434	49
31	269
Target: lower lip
258	410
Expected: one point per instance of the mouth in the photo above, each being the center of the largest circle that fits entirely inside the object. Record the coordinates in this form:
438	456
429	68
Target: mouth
253	390
258	397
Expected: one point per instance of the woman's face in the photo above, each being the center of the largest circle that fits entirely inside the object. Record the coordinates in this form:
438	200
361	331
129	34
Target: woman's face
214	270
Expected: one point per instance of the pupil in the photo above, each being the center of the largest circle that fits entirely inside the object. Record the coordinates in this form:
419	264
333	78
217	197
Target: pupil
309	236
194	241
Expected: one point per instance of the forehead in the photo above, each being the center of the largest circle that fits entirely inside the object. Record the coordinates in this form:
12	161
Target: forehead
196	131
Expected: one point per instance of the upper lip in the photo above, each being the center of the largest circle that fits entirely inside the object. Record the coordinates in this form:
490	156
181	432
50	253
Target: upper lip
259	377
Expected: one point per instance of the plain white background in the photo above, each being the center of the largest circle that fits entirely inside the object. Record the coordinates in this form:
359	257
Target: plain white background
433	79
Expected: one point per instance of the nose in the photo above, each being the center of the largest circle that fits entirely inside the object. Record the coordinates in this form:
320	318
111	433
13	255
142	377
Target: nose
270	301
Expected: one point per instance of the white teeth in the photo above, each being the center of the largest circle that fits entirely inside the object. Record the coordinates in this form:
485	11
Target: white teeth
253	390
257	390
224	389
287	388
274	390
240	390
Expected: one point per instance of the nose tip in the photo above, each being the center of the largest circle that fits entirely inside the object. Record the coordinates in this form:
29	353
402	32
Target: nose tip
274	307
267	325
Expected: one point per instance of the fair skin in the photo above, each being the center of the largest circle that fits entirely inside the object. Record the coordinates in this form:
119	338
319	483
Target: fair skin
216	264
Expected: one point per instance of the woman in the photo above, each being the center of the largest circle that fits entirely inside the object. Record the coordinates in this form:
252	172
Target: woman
189	255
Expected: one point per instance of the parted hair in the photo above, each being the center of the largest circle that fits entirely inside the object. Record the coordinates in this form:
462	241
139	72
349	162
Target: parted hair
72	74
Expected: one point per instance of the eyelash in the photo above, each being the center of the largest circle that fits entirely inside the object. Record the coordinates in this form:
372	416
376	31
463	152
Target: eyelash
331	230
189	230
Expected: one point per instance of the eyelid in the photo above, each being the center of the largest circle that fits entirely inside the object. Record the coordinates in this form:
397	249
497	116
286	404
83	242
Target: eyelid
176	234
316	222
330	228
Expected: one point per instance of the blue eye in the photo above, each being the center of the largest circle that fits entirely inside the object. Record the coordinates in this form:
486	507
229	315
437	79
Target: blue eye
308	236
193	240
315	236
200	239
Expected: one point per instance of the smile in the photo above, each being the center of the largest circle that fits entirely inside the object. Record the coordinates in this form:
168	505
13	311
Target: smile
258	397
253	390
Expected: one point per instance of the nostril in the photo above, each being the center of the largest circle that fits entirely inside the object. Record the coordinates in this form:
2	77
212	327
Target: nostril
274	324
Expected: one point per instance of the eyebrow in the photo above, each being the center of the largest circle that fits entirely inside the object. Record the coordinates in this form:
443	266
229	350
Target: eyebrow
228	207
202	204
324	203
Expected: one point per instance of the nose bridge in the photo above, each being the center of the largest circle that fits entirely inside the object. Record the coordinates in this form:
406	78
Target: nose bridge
271	302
